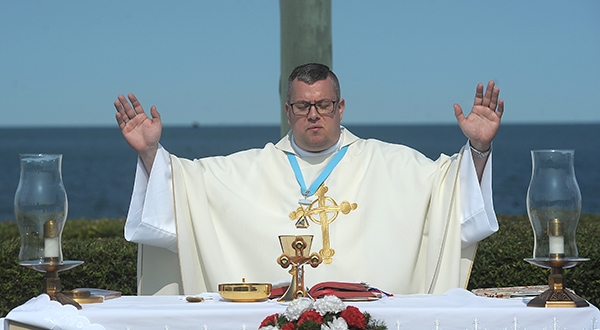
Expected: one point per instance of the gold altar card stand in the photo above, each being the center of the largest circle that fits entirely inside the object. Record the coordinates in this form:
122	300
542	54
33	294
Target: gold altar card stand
13	325
296	251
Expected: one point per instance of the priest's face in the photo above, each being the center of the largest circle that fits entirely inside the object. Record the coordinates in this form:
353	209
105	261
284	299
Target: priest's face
318	129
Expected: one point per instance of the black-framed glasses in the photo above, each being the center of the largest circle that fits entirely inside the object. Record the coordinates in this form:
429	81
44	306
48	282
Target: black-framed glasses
302	108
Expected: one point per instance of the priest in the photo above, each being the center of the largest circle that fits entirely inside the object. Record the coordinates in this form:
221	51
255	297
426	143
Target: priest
379	213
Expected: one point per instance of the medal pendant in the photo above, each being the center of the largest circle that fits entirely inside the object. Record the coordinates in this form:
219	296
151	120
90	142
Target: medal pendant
302	223
304	201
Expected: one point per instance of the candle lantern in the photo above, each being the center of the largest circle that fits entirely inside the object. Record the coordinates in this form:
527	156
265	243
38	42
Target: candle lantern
553	207
41	210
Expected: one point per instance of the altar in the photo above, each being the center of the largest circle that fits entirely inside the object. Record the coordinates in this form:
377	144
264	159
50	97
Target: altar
455	309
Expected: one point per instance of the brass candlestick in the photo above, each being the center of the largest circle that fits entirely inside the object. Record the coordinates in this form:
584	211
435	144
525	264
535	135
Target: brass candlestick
557	295
295	253
553	207
52	286
41	207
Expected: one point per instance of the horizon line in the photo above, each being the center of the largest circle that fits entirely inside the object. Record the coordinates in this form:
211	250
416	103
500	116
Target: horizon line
199	125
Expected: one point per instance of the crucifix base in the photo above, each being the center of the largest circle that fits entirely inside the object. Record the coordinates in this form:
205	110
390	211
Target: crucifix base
295	291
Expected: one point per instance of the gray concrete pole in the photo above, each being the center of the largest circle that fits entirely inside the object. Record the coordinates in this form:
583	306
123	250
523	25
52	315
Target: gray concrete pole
305	38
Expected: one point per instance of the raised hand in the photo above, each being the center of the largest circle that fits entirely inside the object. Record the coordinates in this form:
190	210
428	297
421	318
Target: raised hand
141	132
483	122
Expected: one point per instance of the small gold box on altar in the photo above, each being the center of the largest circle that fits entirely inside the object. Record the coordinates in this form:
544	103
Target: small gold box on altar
245	292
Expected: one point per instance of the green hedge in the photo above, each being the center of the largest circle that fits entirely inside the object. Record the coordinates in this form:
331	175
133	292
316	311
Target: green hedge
499	260
110	261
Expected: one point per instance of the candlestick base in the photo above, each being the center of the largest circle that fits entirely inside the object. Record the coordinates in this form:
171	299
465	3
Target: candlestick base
52	287
557	295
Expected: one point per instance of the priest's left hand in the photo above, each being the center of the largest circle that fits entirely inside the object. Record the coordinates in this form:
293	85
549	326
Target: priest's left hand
482	123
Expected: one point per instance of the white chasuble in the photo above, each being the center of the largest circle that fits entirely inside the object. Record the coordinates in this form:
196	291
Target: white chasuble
403	236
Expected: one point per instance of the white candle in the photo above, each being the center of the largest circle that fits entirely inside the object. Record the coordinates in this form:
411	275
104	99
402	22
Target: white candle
557	244
51	247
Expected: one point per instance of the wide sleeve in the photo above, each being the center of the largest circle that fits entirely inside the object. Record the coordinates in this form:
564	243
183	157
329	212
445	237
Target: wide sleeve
151	218
477	206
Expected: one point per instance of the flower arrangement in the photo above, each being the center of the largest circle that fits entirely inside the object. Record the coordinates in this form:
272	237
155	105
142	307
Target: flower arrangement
327	313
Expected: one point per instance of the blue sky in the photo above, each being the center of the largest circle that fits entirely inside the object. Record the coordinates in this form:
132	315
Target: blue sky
217	62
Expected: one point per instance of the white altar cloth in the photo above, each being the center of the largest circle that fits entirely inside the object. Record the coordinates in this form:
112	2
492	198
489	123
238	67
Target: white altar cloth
455	309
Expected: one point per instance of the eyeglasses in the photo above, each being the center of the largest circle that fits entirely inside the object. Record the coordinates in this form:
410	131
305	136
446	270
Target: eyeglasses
302	108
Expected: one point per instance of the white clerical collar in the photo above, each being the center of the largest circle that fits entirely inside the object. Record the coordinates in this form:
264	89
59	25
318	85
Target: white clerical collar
303	153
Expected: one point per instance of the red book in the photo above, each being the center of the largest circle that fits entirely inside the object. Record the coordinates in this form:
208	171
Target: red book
348	291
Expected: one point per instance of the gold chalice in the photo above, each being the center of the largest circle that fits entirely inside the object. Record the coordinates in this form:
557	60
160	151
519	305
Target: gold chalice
295	254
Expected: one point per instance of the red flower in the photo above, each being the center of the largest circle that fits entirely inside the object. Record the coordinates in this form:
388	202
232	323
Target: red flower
288	326
310	316
269	320
354	317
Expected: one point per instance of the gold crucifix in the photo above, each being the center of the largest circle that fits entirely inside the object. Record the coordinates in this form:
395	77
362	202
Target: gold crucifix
324	205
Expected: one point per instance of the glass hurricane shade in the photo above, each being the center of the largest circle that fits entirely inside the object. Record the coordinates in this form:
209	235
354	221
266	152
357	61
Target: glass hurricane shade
554	203
41	208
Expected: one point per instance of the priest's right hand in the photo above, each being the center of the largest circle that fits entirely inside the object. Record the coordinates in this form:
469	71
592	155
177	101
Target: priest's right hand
141	132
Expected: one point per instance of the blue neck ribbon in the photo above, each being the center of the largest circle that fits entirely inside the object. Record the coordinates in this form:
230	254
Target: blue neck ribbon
321	178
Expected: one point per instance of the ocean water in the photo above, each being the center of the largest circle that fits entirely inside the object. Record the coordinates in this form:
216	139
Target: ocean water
98	166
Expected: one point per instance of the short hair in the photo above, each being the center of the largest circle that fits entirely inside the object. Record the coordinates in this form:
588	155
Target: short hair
310	73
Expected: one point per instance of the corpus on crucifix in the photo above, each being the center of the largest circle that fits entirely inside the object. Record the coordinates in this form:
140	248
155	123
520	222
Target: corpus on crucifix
295	253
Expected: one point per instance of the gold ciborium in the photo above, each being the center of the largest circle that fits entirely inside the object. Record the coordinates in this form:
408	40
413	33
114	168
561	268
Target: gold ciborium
296	254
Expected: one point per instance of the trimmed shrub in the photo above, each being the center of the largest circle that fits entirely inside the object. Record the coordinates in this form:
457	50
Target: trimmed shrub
499	261
110	261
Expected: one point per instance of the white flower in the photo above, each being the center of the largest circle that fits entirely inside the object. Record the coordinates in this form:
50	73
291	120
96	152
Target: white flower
329	304
338	323
269	327
297	307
